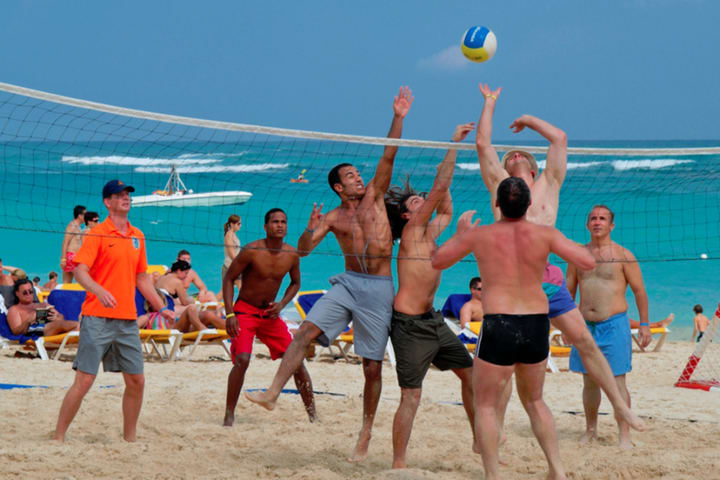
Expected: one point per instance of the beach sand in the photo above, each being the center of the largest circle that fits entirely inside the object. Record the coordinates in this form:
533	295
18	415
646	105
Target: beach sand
180	433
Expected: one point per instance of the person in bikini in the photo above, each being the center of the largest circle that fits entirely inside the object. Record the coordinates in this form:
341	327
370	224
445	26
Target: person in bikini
188	318
362	294
418	331
545	189
262	264
511	255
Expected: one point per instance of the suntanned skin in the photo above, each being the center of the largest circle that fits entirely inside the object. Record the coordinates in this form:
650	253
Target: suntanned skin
472	311
71	243
204	295
6	279
418	281
188	317
23	314
511	256
361	227
263	264
545	191
602	295
118	206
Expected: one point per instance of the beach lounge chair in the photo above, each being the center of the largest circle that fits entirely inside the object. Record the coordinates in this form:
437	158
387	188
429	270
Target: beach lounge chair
153	340
662	332
40	344
451	314
303	302
68	300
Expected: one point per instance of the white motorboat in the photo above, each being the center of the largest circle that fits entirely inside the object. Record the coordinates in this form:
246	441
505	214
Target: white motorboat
175	194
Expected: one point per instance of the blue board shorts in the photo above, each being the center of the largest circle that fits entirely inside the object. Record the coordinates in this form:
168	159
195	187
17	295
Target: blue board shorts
615	342
555	288
365	300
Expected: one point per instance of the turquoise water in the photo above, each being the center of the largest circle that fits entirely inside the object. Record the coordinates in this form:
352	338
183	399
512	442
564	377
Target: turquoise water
666	207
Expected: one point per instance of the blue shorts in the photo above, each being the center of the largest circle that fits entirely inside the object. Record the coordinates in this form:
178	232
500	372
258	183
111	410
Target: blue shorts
561	302
615	342
366	300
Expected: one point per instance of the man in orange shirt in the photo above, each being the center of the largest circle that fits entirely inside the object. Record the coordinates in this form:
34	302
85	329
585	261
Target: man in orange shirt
111	262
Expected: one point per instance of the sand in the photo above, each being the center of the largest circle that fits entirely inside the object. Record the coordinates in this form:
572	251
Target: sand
180	433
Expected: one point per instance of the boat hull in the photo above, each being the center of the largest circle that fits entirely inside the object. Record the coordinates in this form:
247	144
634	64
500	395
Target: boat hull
192	199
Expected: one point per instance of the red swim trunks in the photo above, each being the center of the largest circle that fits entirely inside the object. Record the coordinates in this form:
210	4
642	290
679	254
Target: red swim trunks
252	322
69	263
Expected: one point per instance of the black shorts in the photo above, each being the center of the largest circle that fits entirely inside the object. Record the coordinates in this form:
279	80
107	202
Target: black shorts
418	341
509	339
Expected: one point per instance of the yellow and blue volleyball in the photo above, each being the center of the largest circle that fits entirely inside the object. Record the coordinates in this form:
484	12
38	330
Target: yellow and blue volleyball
478	44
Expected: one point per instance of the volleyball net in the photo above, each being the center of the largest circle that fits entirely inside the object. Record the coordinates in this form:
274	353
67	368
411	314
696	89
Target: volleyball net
58	152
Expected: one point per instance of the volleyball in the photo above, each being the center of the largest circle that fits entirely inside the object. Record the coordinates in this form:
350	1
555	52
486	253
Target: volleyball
478	44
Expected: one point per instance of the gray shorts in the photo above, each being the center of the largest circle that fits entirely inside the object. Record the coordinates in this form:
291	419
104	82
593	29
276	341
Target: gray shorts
115	342
366	300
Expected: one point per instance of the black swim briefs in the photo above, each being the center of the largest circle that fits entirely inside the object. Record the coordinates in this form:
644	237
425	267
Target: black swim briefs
507	339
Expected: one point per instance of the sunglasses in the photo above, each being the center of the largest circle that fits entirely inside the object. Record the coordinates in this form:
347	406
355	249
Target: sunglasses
477	288
26	292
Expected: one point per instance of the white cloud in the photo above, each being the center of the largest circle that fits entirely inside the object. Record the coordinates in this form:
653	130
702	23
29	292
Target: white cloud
450	58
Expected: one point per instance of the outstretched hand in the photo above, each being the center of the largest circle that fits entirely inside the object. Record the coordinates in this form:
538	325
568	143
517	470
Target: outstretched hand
403	101
315	217
465	221
461	131
519	124
487	92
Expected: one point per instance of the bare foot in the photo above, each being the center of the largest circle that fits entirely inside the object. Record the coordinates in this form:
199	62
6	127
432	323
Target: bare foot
264	399
361	448
635	422
399	464
59	438
668	320
229	419
625	443
588	437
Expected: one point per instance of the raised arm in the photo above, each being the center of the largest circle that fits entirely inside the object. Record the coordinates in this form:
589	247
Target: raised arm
570	251
490	168
318	227
383	174
633	275
571	280
556	164
457	246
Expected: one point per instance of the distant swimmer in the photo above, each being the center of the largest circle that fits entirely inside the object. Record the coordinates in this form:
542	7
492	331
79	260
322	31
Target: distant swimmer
418	332
604	307
362	294
263	265
511	255
545	190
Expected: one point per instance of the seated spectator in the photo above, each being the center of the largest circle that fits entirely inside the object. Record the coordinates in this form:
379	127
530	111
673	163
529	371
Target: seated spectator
203	295
4	278
31	318
472	311
91	220
51	283
8	291
188	317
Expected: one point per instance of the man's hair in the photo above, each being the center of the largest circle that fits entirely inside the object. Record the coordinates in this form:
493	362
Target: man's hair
474	281
36	279
91	216
334	176
181	265
78	210
20	282
513	197
698	308
182	252
612	214
395	199
271	211
52	275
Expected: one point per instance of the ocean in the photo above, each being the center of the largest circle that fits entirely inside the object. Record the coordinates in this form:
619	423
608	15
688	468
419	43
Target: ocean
666	207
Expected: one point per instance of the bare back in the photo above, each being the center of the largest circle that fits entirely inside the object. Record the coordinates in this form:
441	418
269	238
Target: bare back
263	270
74	236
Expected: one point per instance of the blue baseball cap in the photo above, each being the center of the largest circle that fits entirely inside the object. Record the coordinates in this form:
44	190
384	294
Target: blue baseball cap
116	186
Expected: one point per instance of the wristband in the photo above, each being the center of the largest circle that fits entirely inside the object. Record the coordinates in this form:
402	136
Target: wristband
644	324
229	315
310	230
490	95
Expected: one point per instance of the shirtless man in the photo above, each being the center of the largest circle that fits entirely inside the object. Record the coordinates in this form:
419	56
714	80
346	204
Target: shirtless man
204	295
262	264
472	311
418	331
23	317
362	294
604	307
71	243
188	317
563	312
511	256
51	283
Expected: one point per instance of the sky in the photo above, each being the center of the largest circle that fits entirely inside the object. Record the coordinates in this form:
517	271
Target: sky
623	70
